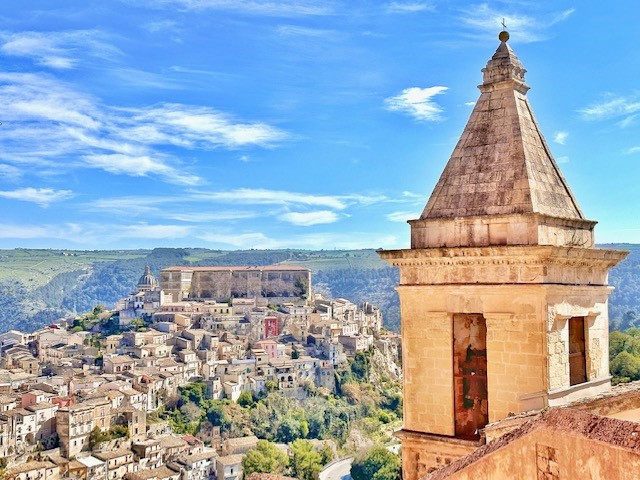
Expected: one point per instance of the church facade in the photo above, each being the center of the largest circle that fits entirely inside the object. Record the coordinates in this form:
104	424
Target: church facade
503	294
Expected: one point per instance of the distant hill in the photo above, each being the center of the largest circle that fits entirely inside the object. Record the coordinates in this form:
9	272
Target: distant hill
38	286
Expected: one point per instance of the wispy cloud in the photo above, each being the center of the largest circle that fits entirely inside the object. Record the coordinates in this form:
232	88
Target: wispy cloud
196	127
401	216
58	50
207	217
22	231
298	31
625	108
140	166
409	7
296	208
306	219
241	240
561	137
485	20
94	233
417	102
42	196
281	8
9	172
143	230
562	160
633	150
276	197
49	123
355	240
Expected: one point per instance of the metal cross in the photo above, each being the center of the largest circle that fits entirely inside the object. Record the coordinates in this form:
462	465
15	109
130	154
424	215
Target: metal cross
503	24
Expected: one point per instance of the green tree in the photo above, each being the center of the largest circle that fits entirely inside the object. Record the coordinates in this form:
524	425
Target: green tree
218	417
271	385
307	463
265	458
118	431
195	392
246	399
626	366
377	464
289	430
96	436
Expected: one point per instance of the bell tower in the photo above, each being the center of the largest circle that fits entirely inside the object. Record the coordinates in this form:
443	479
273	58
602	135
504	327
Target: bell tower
503	295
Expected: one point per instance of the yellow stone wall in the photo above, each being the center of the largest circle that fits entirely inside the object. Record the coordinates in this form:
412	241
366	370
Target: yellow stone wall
421	456
548	455
516	365
427	359
527	346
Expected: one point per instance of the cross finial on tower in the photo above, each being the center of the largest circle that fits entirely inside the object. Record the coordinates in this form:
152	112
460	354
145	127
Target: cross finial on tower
504	35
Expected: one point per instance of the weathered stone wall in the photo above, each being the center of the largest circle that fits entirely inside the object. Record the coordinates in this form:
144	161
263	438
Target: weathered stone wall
423	454
220	284
517	229
546	455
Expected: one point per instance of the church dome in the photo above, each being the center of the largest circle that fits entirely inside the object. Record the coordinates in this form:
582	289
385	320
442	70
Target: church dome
147	280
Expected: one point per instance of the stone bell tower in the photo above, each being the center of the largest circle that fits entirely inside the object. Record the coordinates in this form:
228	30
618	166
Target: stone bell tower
503	295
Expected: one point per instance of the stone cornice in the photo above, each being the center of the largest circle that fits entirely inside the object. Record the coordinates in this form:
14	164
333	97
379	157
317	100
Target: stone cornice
504	255
539	217
504	264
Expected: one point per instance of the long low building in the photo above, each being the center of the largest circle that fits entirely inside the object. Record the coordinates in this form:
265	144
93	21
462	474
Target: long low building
221	283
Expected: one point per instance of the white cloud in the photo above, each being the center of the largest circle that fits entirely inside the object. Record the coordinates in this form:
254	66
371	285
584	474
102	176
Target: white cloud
561	137
68	231
144	230
241	240
30	97
132	205
401	216
42	196
196	127
280	8
633	150
93	233
48	123
306	219
58	50
316	241
408	194
417	102
522	27
206	217
613	106
275	197
412	7
562	160
9	172
297	31
140	167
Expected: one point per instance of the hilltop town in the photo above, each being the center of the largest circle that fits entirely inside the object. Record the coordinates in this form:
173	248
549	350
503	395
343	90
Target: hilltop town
89	397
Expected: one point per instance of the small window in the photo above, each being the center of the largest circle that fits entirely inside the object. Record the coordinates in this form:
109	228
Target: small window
577	350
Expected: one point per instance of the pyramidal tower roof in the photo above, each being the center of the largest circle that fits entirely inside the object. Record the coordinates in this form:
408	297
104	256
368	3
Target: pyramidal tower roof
502	164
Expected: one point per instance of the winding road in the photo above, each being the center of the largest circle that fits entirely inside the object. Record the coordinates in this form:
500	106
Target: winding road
340	470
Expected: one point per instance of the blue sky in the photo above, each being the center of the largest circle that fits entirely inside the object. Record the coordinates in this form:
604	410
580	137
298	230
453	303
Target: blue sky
304	124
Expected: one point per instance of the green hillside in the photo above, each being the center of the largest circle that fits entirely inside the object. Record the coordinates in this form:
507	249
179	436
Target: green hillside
38	286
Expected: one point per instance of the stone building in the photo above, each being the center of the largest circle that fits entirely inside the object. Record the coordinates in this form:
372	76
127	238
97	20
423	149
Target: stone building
503	294
275	282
